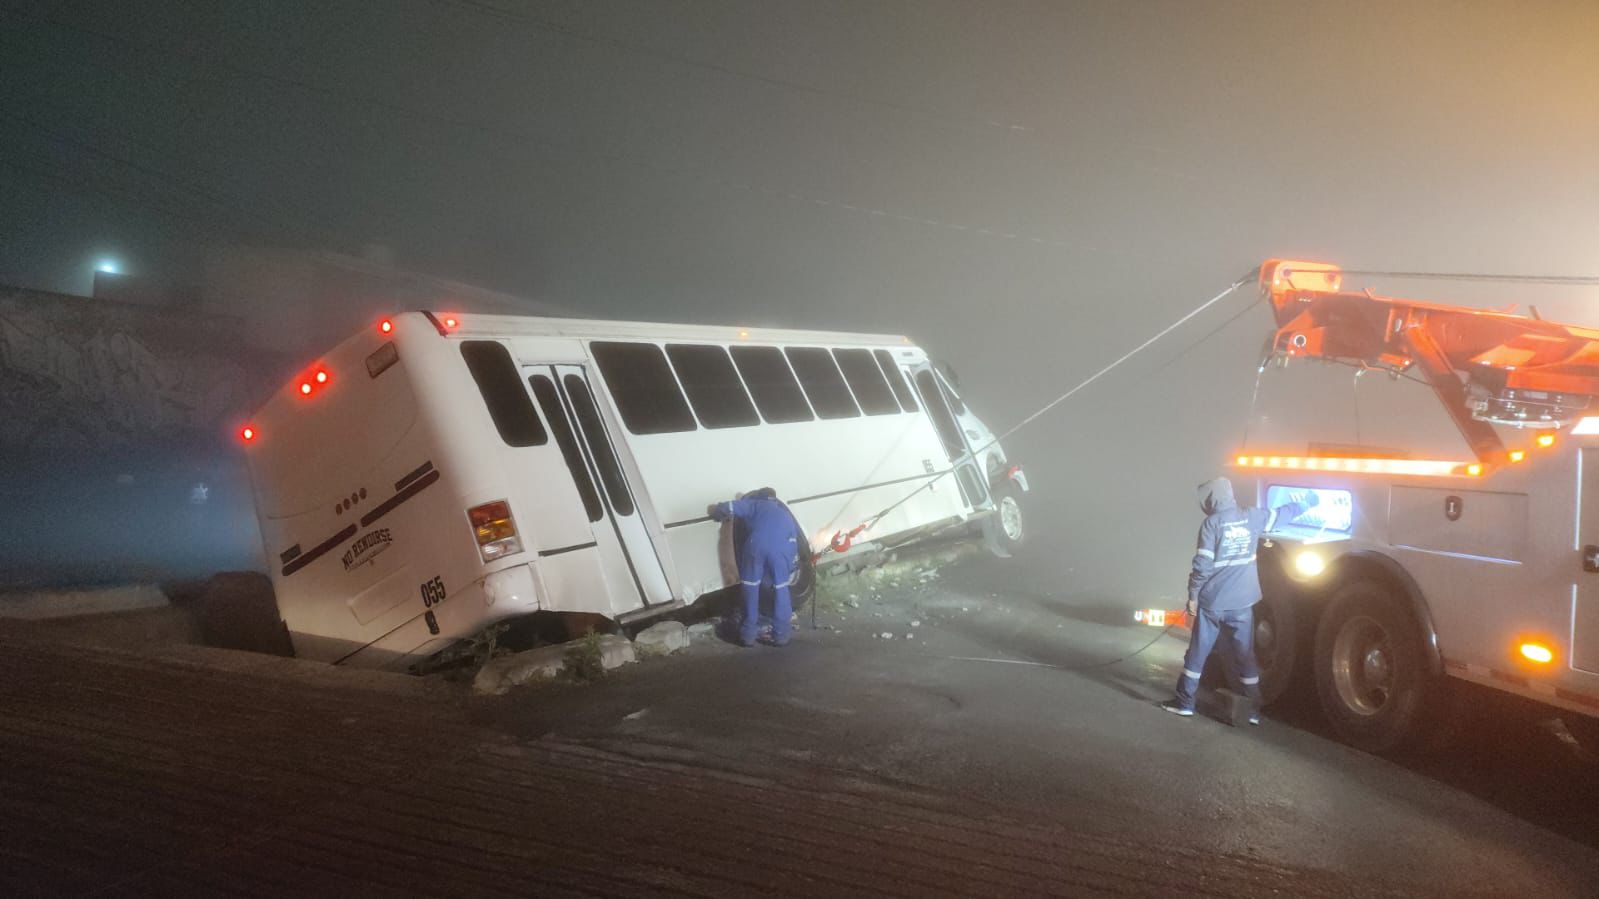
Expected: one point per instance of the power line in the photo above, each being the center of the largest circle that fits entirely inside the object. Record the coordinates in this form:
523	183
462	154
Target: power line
1580	280
224	202
587	155
556	28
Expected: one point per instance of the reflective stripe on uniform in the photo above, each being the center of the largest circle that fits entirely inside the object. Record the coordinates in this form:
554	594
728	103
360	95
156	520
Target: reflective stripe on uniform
1250	680
1205	552
1192	674
750	583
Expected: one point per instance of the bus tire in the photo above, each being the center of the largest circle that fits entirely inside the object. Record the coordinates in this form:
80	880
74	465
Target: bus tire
1372	676
1010	519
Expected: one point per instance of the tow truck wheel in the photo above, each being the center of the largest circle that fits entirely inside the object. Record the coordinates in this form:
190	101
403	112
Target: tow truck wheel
1276	645
1371	672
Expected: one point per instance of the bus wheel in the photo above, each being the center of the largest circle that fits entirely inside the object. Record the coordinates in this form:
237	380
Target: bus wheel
1276	645
1371	673
1006	531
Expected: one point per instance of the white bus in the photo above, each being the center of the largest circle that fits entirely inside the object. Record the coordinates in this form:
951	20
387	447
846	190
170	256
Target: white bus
436	474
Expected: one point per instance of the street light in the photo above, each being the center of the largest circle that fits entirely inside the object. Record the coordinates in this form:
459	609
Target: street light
109	266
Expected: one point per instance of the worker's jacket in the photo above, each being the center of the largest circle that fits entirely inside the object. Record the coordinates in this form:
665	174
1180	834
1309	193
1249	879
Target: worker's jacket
768	528
1224	577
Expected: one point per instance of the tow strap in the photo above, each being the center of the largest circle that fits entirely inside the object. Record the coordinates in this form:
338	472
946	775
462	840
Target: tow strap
843	540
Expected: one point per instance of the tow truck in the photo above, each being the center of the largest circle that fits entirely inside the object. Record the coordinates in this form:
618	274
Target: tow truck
1414	572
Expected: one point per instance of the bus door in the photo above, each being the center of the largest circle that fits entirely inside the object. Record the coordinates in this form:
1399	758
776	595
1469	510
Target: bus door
956	446
626	551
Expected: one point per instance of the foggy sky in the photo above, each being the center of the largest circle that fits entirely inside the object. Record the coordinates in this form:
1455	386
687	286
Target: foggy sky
1027	189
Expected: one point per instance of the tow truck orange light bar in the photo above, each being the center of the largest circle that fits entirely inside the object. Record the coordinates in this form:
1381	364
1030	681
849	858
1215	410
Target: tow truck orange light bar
1421	467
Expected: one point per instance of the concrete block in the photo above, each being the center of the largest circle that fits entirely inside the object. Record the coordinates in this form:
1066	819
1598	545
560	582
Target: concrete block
616	651
1234	708
662	638
503	673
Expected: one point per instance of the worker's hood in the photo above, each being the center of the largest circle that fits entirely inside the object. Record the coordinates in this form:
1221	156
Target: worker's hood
1216	495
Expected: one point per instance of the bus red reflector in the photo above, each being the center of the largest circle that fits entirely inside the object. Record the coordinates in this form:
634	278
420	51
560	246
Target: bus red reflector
386	326
322	377
247	433
305	388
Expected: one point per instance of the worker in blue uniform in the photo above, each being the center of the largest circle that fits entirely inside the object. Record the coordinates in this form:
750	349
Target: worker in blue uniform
766	550
1224	587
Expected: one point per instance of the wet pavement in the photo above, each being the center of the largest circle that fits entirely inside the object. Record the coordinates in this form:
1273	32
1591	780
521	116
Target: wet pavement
991	684
983	747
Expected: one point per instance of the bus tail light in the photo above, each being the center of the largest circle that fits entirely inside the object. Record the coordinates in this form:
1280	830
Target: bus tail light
494	529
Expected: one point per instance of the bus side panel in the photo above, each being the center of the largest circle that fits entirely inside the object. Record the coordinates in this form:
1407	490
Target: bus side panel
833	474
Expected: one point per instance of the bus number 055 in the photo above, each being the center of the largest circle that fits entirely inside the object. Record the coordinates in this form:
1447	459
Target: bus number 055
432	592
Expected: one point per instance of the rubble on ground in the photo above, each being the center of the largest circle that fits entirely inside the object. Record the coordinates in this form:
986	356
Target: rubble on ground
662	638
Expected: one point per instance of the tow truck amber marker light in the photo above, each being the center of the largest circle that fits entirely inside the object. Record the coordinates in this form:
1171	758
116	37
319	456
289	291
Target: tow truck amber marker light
1546	440
1517	455
1424	467
495	530
1537	652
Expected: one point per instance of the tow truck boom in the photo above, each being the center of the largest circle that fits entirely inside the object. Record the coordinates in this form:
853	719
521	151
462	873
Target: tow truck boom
1486	367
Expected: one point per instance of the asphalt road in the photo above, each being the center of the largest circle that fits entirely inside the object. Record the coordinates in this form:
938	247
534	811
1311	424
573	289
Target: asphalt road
842	764
970	706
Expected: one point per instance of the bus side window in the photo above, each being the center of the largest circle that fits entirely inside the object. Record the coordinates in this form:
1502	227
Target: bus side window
819	375
642	384
712	385
896	379
550	402
772	383
501	386
866	380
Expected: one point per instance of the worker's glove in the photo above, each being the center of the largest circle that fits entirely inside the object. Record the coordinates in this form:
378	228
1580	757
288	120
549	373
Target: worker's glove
1192	608
717	511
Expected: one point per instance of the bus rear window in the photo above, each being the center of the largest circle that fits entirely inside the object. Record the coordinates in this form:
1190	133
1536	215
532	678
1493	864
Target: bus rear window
500	383
641	383
822	382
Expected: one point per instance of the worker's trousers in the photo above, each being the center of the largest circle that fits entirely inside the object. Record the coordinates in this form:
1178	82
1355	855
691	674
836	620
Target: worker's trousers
1235	629
773	565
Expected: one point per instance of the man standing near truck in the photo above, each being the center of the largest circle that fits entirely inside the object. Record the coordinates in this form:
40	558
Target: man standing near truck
1223	588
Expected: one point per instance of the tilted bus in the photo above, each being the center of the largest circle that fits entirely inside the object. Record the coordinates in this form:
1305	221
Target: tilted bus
436	474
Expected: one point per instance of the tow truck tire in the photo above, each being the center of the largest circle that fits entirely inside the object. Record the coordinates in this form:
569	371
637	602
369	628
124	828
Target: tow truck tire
1371	670
1010	518
1276	645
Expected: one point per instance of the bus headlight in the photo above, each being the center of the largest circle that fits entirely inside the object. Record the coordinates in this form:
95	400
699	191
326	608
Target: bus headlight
1309	563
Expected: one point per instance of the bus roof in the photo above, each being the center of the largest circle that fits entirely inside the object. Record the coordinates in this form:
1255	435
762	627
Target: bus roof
481	325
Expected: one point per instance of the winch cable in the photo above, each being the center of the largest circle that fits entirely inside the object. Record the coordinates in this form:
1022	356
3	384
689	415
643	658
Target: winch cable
841	540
